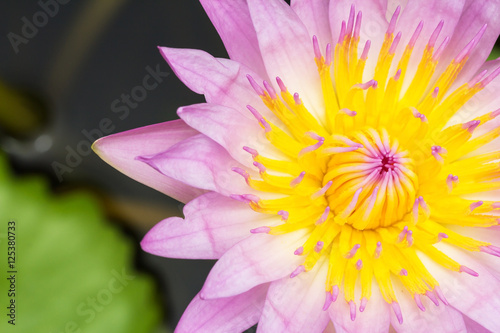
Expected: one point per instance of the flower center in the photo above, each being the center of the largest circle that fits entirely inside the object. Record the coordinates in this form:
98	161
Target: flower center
374	185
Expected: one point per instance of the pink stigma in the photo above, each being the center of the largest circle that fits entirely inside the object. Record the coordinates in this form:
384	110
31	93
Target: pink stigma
328	301
359	264
258	89
251	151
284	215
442	236
418	300
295	182
475	205
299	251
363	304
469	271
260	166
319	247
378	250
324	216
260	230
352	310
281	84
403	272
297	271
322	191
397	311
270	90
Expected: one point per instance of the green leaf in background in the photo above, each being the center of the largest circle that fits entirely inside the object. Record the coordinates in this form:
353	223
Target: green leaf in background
495	53
73	269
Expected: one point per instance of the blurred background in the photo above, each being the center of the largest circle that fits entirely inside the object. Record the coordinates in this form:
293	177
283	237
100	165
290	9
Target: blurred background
66	70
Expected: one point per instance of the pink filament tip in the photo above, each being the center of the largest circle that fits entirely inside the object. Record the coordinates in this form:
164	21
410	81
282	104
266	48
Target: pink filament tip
435	34
477	78
440	49
471	125
450	180
297	271
353	251
418	300
378	250
495	205
350	21
397	311
416	34
311	148
317	51
495	114
440	294
398	75
363	304
402	234
432	297
328	301
284	215
366	49
258	89
409	237
352	310
335	293
359	264
394	18
270	90
295	182
246	198
342	33
315	136
251	151
469	271
435	151
435	93
281	84
493	250
348	112
259	117
260	230
297	99
403	272
260	166
357	27
442	236
241	172
490	78
328	56
475	205
367	85
395	43
324	216
319	247
322	191
299	251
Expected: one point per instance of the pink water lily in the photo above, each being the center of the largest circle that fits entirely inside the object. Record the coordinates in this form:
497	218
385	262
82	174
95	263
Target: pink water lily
344	170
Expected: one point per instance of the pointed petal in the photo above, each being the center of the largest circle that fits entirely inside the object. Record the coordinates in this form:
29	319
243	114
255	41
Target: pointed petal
231	314
375	318
230	129
213	224
474	296
222	81
295	305
435	318
287	50
258	259
119	150
314	15
232	20
200	162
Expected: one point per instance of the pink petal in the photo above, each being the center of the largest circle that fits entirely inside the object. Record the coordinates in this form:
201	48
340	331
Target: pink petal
473	327
259	259
440	318
295	305
476	297
375	318
222	81
232	20
287	50
474	16
120	150
213	224
231	314
373	27
200	162
230	129
314	15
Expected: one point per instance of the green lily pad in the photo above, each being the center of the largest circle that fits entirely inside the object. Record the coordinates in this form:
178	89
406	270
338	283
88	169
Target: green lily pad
73	271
